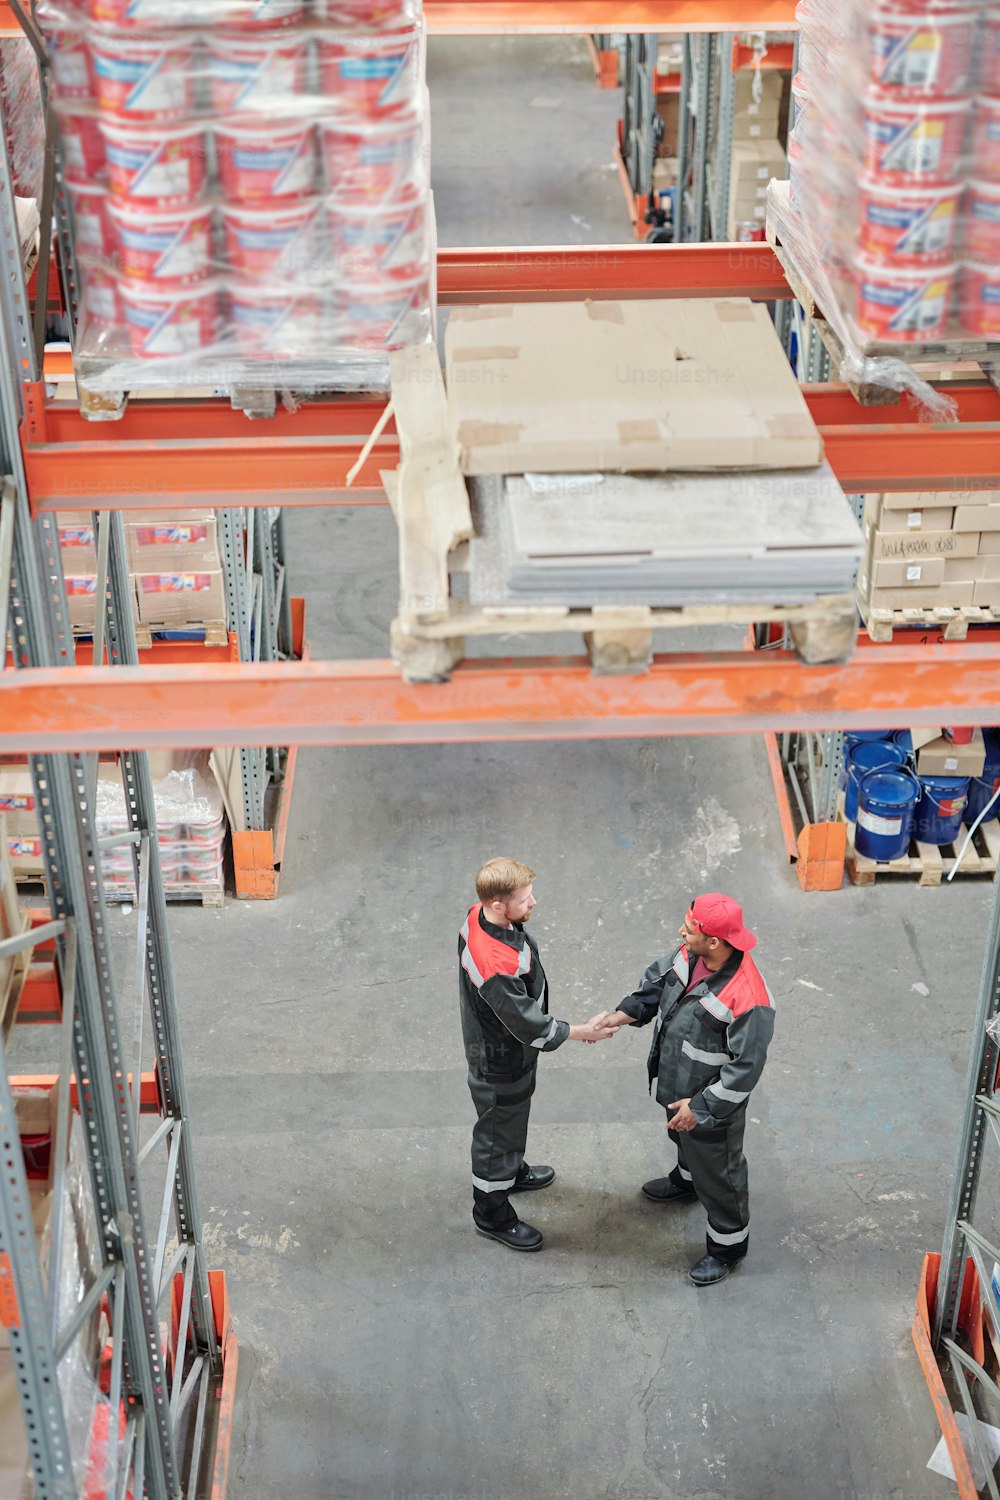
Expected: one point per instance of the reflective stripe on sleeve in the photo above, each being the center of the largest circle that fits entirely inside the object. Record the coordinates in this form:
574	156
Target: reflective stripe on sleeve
541	1040
492	1187
717	1059
733	1095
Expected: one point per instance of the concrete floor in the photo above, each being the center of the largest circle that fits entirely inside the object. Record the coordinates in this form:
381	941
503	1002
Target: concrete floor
387	1352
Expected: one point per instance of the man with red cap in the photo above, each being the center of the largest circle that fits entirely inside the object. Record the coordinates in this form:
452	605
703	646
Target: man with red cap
714	1020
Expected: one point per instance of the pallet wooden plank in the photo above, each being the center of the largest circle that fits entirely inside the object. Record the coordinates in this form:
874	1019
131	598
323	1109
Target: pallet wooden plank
932	865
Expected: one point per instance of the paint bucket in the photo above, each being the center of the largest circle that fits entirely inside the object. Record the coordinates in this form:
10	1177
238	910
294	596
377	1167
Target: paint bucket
798	171
982	221
371	76
164	324
374	163
250	74
913	51
279	321
854	737
102	307
366	15
381	318
875	755
901	303
259	161
141	78
378	246
275	239
83	151
913	224
93	231
248	15
903	740
70	61
941	808
981	788
986	138
168	245
979	299
989	53
145	14
907	140
886	802
158	166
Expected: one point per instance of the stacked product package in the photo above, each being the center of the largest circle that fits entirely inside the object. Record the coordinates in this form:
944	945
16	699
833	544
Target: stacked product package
249	187
894	160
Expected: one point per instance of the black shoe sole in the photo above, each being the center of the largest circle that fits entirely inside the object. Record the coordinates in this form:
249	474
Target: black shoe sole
674	1198
489	1235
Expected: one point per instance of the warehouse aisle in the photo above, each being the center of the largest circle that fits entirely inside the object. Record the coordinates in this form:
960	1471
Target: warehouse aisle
387	1352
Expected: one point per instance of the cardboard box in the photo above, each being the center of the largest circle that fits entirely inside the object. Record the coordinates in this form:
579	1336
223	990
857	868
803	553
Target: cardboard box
162	545
81	597
762	126
945	596
923	736
917	500
987	591
668	107
175	600
77	541
933	518
756	162
698	384
940	757
989	544
25	853
899	544
17	801
748	83
977	518
925	572
964	569
755	214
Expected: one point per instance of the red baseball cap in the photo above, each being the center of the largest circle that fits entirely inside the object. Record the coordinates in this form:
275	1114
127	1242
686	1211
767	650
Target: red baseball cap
722	917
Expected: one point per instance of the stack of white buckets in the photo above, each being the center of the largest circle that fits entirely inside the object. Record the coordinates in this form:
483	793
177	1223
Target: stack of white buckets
246	176
890	804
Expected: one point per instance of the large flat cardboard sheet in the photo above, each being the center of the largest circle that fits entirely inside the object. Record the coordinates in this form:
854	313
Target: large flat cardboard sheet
624	387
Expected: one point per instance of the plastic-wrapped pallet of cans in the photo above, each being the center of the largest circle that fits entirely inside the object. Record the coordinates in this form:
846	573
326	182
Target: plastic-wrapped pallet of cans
894	160
249	187
190	826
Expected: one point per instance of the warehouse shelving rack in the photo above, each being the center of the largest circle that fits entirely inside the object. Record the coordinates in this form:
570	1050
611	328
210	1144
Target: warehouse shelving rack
57	712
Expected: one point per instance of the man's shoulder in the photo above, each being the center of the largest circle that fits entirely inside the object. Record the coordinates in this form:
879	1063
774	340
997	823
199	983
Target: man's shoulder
748	989
491	956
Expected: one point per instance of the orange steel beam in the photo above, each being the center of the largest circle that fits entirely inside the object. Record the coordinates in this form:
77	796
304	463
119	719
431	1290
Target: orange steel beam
367	703
194	453
487	17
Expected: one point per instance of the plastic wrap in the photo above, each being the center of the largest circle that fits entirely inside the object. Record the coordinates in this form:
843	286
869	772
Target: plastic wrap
23	118
190	825
893	210
249	188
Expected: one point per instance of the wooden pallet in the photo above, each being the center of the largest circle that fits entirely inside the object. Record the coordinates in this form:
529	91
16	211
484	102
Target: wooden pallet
952	623
216	632
956	348
430	502
212	893
928	862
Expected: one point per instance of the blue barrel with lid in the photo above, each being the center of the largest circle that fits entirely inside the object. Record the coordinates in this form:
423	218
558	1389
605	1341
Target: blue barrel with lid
854	737
886	803
867	756
904	739
941	809
981	788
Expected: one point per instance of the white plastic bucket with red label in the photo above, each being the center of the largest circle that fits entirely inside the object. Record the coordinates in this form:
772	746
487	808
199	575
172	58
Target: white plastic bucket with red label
382	317
374	163
156	164
988	74
272	239
168	245
247	74
366	15
93	231
902	304
146	14
167	324
259	161
279	321
83	150
378	245
101	304
250	15
148	79
986	138
979	299
982	222
911	139
70	66
914	224
371	75
913	50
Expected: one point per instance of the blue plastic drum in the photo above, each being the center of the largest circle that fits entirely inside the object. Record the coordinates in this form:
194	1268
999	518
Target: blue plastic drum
886	803
854	737
941	809
981	788
867	757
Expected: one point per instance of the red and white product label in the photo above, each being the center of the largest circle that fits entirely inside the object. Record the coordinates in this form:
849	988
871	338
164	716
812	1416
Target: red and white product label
907	224
375	247
147	80
162	326
84	153
257	163
906	141
915	52
900	304
246	75
986	138
982	222
171	534
876	824
175	583
16	802
163	247
155	166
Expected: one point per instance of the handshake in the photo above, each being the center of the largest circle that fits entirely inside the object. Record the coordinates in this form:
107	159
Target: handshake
600	1027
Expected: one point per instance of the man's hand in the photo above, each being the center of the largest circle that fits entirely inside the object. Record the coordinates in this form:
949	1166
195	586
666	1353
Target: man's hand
594	1030
616	1019
683	1120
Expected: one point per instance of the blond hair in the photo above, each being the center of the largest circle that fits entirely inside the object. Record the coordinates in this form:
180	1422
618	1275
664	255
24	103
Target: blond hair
501	877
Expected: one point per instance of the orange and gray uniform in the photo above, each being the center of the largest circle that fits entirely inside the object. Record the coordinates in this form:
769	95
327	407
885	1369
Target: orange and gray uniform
505	1025
709	1045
